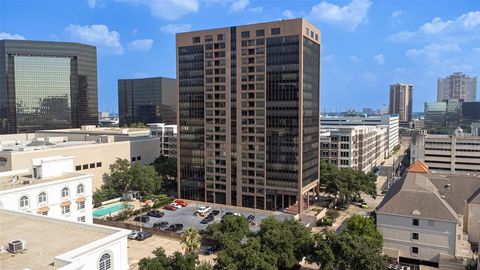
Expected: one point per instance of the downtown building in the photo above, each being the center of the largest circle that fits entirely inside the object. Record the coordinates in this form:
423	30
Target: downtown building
147	100
457	86
47	85
249	114
401	96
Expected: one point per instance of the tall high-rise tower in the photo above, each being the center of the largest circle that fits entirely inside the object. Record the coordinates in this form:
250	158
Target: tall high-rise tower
249	114
401	101
457	86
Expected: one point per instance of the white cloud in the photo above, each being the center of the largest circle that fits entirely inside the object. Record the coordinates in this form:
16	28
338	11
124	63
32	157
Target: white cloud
92	3
355	59
288	14
348	16
379	59
4	35
440	28
397	13
96	34
175	28
256	9
168	9
239	5
433	50
141	45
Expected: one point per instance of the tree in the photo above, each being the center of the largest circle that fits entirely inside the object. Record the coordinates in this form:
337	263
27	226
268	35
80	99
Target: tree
230	232
358	225
119	179
137	125
144	179
166	167
321	251
176	261
246	256
191	240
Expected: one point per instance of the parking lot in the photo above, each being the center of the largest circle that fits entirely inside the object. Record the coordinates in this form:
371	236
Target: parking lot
186	216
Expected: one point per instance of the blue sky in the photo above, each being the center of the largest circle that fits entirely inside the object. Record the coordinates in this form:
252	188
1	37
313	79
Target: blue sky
366	44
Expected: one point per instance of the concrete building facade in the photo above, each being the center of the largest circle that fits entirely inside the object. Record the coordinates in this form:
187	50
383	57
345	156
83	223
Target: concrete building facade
401	96
168	138
50	187
390	121
457	86
249	114
147	100
47	85
361	148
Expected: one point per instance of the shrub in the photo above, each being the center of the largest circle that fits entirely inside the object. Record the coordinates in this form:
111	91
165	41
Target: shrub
326	221
333	214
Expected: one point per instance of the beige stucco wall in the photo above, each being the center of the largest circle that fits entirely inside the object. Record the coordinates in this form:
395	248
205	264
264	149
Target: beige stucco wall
473	219
433	240
106	153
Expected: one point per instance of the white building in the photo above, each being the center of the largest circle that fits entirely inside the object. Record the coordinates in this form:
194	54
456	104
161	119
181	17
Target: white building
361	148
168	137
48	243
390	121
51	187
429	219
457	86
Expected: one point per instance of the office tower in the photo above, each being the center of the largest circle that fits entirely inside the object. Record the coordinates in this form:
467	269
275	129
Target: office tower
147	100
47	85
470	114
457	86
401	101
249	114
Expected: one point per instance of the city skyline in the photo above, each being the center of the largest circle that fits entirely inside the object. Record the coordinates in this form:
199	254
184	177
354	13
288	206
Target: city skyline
396	42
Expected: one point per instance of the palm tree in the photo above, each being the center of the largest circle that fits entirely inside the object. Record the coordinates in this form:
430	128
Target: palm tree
191	239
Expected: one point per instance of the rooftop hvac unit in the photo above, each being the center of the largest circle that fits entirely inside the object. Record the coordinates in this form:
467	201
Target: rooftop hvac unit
16	246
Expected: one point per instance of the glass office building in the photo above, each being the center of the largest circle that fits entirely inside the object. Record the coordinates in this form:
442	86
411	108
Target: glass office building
249	114
147	100
47	85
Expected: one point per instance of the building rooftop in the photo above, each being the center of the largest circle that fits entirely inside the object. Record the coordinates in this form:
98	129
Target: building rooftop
24	178
93	130
45	237
39	144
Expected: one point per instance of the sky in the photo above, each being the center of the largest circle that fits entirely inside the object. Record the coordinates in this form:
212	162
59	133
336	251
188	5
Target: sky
366	45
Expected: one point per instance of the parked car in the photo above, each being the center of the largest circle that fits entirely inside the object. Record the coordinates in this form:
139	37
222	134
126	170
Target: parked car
207	219
170	207
216	212
143	235
133	235
204	209
251	219
211	250
142	219
237	214
160	225
181	202
226	214
176	205
364	205
174	228
156	213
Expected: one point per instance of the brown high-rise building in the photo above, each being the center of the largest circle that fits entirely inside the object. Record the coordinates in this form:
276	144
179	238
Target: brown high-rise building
248	114
401	101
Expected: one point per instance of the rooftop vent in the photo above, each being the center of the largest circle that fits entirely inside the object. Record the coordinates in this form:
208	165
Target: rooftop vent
16	246
447	186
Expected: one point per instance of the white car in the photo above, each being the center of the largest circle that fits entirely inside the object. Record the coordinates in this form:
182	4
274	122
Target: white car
176	205
133	235
237	214
203	209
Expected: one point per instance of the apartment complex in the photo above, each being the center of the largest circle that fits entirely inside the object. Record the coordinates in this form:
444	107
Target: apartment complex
361	148
457	86
40	242
457	153
249	114
47	85
390	121
431	219
147	100
401	96
50	187
94	149
168	138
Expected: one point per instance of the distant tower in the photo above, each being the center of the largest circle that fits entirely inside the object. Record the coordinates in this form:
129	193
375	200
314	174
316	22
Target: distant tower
457	86
401	101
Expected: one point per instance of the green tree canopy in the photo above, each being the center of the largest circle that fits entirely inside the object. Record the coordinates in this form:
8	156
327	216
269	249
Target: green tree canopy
166	167
176	261
144	179
230	232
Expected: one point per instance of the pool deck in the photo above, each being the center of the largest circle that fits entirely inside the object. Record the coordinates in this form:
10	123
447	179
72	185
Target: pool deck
136	204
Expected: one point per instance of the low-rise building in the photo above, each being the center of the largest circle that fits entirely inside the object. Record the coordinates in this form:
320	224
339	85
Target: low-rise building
361	148
168	138
50	187
456	153
430	219
390	121
39	242
94	149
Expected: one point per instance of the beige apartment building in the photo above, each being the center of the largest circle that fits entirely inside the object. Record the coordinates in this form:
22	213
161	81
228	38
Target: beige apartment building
249	114
401	96
361	148
93	149
457	153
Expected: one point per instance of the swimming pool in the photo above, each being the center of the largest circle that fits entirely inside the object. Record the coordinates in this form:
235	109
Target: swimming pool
108	209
